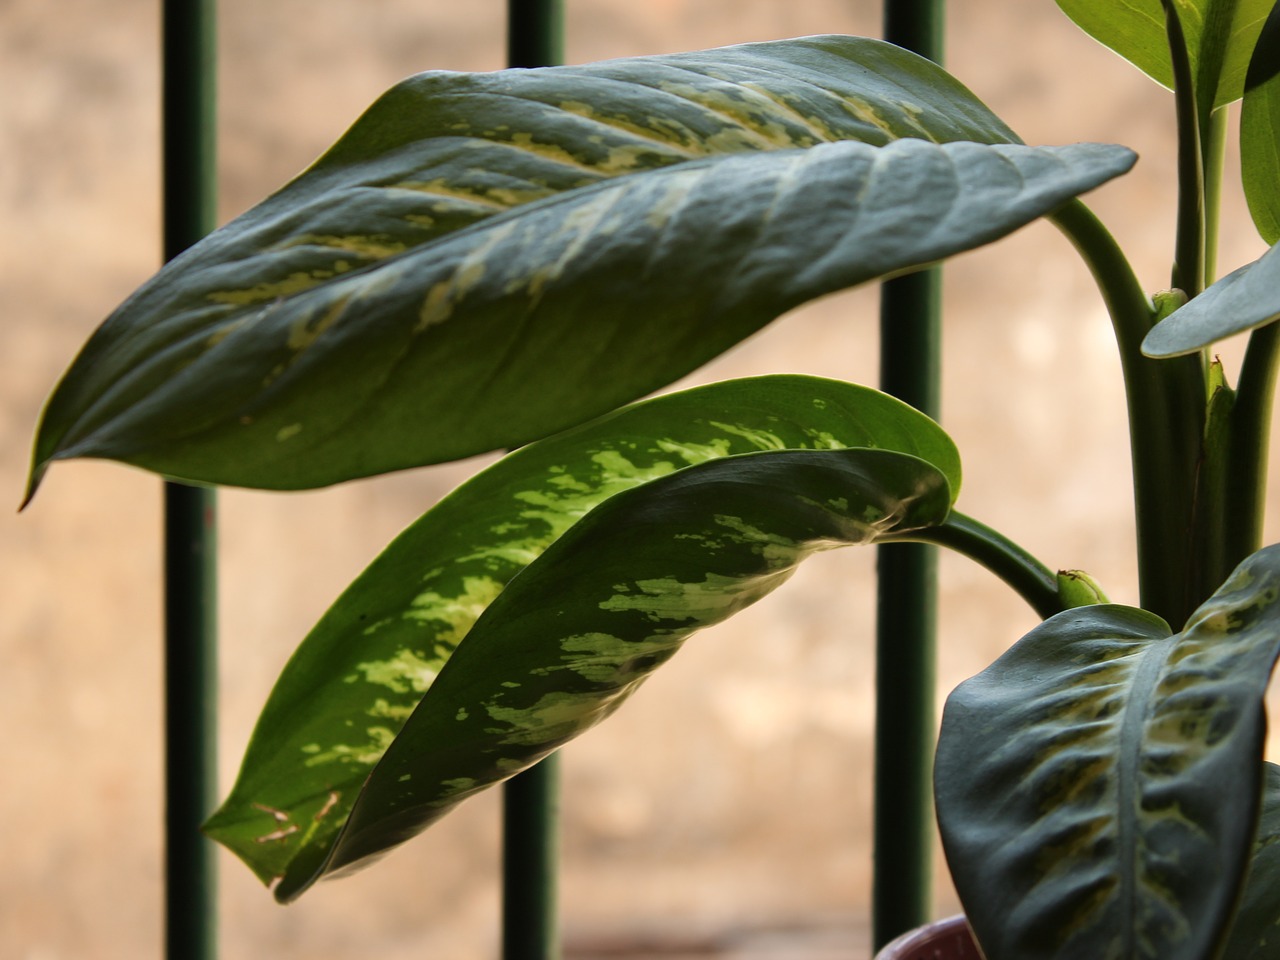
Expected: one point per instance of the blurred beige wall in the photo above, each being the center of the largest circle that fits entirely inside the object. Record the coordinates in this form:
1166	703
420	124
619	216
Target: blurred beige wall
731	797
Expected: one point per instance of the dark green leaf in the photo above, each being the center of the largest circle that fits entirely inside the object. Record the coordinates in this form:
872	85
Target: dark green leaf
1220	36
1240	301
725	535
1098	785
437	153
1255	934
537	318
1260	132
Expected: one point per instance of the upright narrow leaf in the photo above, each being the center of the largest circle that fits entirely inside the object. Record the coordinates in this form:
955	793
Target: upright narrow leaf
1260	132
536	318
357	678
1220	38
1079	778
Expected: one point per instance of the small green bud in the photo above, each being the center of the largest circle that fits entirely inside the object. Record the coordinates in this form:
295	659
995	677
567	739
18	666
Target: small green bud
1165	302
1077	589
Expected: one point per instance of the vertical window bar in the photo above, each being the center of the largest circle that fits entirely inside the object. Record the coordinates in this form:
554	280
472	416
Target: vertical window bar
910	352
531	800
190	671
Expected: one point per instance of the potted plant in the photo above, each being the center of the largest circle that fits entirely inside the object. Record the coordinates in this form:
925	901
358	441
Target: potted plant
509	260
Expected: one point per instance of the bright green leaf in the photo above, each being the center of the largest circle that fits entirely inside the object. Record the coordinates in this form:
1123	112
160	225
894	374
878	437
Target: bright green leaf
535	319
725	535
1260	132
1256	930
1079	778
1242	300
1220	36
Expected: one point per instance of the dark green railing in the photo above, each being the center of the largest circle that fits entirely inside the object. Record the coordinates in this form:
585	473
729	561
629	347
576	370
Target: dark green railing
906	595
530	801
190	542
906	602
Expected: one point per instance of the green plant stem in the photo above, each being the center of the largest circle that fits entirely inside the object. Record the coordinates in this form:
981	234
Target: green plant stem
1032	580
1250	431
1166	404
1213	159
1209	562
1189	249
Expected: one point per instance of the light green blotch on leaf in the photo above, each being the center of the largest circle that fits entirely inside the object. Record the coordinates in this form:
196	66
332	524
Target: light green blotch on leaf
695	453
822	440
556	715
566	498
391	711
708	601
604	658
367	753
455	613
762	439
776	550
406	671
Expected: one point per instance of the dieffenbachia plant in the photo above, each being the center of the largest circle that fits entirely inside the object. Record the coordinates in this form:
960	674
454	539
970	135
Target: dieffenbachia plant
510	260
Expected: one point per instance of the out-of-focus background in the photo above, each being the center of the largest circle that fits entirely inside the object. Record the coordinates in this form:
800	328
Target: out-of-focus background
726	810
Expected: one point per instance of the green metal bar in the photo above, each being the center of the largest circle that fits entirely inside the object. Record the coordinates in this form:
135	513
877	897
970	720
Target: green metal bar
535	33
906	584
189	513
531	800
531	835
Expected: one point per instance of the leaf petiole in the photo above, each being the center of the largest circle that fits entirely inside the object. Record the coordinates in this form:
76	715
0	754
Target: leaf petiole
1032	580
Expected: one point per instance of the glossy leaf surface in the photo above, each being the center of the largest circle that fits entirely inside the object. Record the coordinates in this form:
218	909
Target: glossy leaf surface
1080	778
1260	132
1256	930
1242	300
358	676
443	151
1220	38
344	350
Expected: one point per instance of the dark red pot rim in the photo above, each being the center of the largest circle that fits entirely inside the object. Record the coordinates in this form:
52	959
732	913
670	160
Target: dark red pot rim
948	939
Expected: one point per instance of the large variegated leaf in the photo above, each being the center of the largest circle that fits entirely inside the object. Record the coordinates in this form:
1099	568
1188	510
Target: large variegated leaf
1255	933
573	633
1242	300
1260	132
1098	785
1220	37
438	153
537	318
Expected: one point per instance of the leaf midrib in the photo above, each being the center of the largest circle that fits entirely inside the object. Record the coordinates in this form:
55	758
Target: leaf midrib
1129	788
